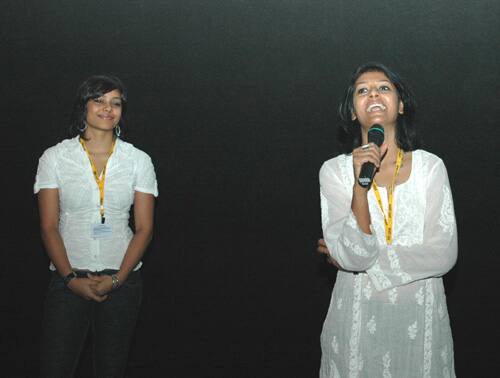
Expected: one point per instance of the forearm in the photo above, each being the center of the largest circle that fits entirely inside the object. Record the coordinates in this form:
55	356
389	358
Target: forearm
360	209
134	253
399	265
353	249
56	250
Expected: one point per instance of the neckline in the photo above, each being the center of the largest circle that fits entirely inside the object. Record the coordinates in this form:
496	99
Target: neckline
77	141
410	177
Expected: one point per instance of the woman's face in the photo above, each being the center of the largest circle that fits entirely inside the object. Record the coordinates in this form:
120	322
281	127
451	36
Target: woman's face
104	113
375	100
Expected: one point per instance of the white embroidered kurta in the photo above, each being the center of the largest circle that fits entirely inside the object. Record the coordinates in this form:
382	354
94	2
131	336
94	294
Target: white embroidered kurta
391	319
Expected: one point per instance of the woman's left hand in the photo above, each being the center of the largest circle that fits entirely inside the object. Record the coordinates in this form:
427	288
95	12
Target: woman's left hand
104	284
322	249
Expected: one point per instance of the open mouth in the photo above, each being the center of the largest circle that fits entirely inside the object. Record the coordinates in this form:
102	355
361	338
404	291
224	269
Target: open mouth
375	108
107	117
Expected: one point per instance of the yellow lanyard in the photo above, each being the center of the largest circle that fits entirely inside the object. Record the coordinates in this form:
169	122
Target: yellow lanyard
99	180
389	219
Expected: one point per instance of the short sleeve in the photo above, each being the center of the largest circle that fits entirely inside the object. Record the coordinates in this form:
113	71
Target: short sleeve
46	175
146	176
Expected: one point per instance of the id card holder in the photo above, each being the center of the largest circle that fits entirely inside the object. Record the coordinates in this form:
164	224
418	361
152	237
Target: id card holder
101	231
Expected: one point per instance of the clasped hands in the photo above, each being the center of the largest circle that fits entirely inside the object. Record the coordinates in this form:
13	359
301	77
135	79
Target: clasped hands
92	287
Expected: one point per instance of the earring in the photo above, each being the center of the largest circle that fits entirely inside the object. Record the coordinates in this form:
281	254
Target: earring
84	128
118	130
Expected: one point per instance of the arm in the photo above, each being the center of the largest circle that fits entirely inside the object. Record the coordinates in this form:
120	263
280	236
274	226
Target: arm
394	265
398	265
349	245
322	249
143	219
354	253
48	203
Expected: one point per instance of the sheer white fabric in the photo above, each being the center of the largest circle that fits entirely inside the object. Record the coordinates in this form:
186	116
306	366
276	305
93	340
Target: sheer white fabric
66	167
391	319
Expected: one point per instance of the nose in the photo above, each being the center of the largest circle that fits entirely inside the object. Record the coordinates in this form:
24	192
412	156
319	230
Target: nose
107	106
374	92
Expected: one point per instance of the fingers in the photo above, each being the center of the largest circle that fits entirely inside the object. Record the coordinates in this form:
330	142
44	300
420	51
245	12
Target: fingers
101	291
322	248
97	298
383	149
321	242
95	277
367	153
100	285
92	292
104	286
88	288
333	262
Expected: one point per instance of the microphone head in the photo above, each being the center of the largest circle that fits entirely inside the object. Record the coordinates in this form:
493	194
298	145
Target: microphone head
376	134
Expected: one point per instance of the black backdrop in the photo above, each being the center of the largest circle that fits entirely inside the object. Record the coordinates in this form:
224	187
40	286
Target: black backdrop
236	103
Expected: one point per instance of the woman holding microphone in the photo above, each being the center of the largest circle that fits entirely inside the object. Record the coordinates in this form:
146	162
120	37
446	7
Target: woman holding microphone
392	240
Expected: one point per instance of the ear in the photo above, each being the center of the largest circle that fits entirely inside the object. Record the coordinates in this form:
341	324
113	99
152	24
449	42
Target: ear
353	116
401	107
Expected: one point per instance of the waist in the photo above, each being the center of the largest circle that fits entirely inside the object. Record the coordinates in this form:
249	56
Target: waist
93	215
82	273
80	226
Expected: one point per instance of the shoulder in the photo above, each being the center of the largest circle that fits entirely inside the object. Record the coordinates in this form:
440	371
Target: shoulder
129	151
63	147
429	167
338	166
337	162
426	160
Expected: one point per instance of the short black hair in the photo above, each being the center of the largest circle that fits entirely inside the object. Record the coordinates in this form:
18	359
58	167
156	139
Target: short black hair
350	131
92	88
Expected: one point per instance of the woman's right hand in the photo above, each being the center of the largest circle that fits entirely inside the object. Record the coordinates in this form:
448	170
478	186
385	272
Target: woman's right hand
86	288
367	153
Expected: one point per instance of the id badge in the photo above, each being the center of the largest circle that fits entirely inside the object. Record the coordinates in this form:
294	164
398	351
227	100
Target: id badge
101	231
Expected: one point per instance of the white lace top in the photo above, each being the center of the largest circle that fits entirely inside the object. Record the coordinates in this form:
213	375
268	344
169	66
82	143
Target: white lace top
391	319
66	167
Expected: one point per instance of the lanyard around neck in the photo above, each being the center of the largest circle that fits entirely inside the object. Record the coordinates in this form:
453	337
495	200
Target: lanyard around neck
389	219
99	180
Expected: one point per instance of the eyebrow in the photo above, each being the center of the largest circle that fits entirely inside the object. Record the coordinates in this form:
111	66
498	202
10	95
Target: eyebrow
112	98
378	81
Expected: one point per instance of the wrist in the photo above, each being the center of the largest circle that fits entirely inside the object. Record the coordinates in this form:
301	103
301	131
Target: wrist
69	277
115	281
358	190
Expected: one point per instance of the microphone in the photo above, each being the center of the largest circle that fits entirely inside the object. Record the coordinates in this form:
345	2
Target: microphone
375	135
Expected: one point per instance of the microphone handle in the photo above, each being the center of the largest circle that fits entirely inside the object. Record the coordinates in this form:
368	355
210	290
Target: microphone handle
366	175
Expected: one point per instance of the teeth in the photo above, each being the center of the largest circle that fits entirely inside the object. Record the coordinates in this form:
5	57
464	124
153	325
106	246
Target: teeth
373	107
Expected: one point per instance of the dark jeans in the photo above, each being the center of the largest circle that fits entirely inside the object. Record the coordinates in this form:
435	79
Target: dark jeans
68	319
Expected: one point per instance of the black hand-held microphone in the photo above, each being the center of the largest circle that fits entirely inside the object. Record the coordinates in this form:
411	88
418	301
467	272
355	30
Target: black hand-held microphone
375	135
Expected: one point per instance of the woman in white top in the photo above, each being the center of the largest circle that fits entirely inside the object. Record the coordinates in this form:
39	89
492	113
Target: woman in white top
392	241
86	186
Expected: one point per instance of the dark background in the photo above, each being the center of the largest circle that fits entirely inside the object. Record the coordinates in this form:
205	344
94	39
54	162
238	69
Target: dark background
235	101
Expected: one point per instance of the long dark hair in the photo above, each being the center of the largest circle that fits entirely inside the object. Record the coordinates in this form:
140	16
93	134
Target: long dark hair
350	131
92	88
